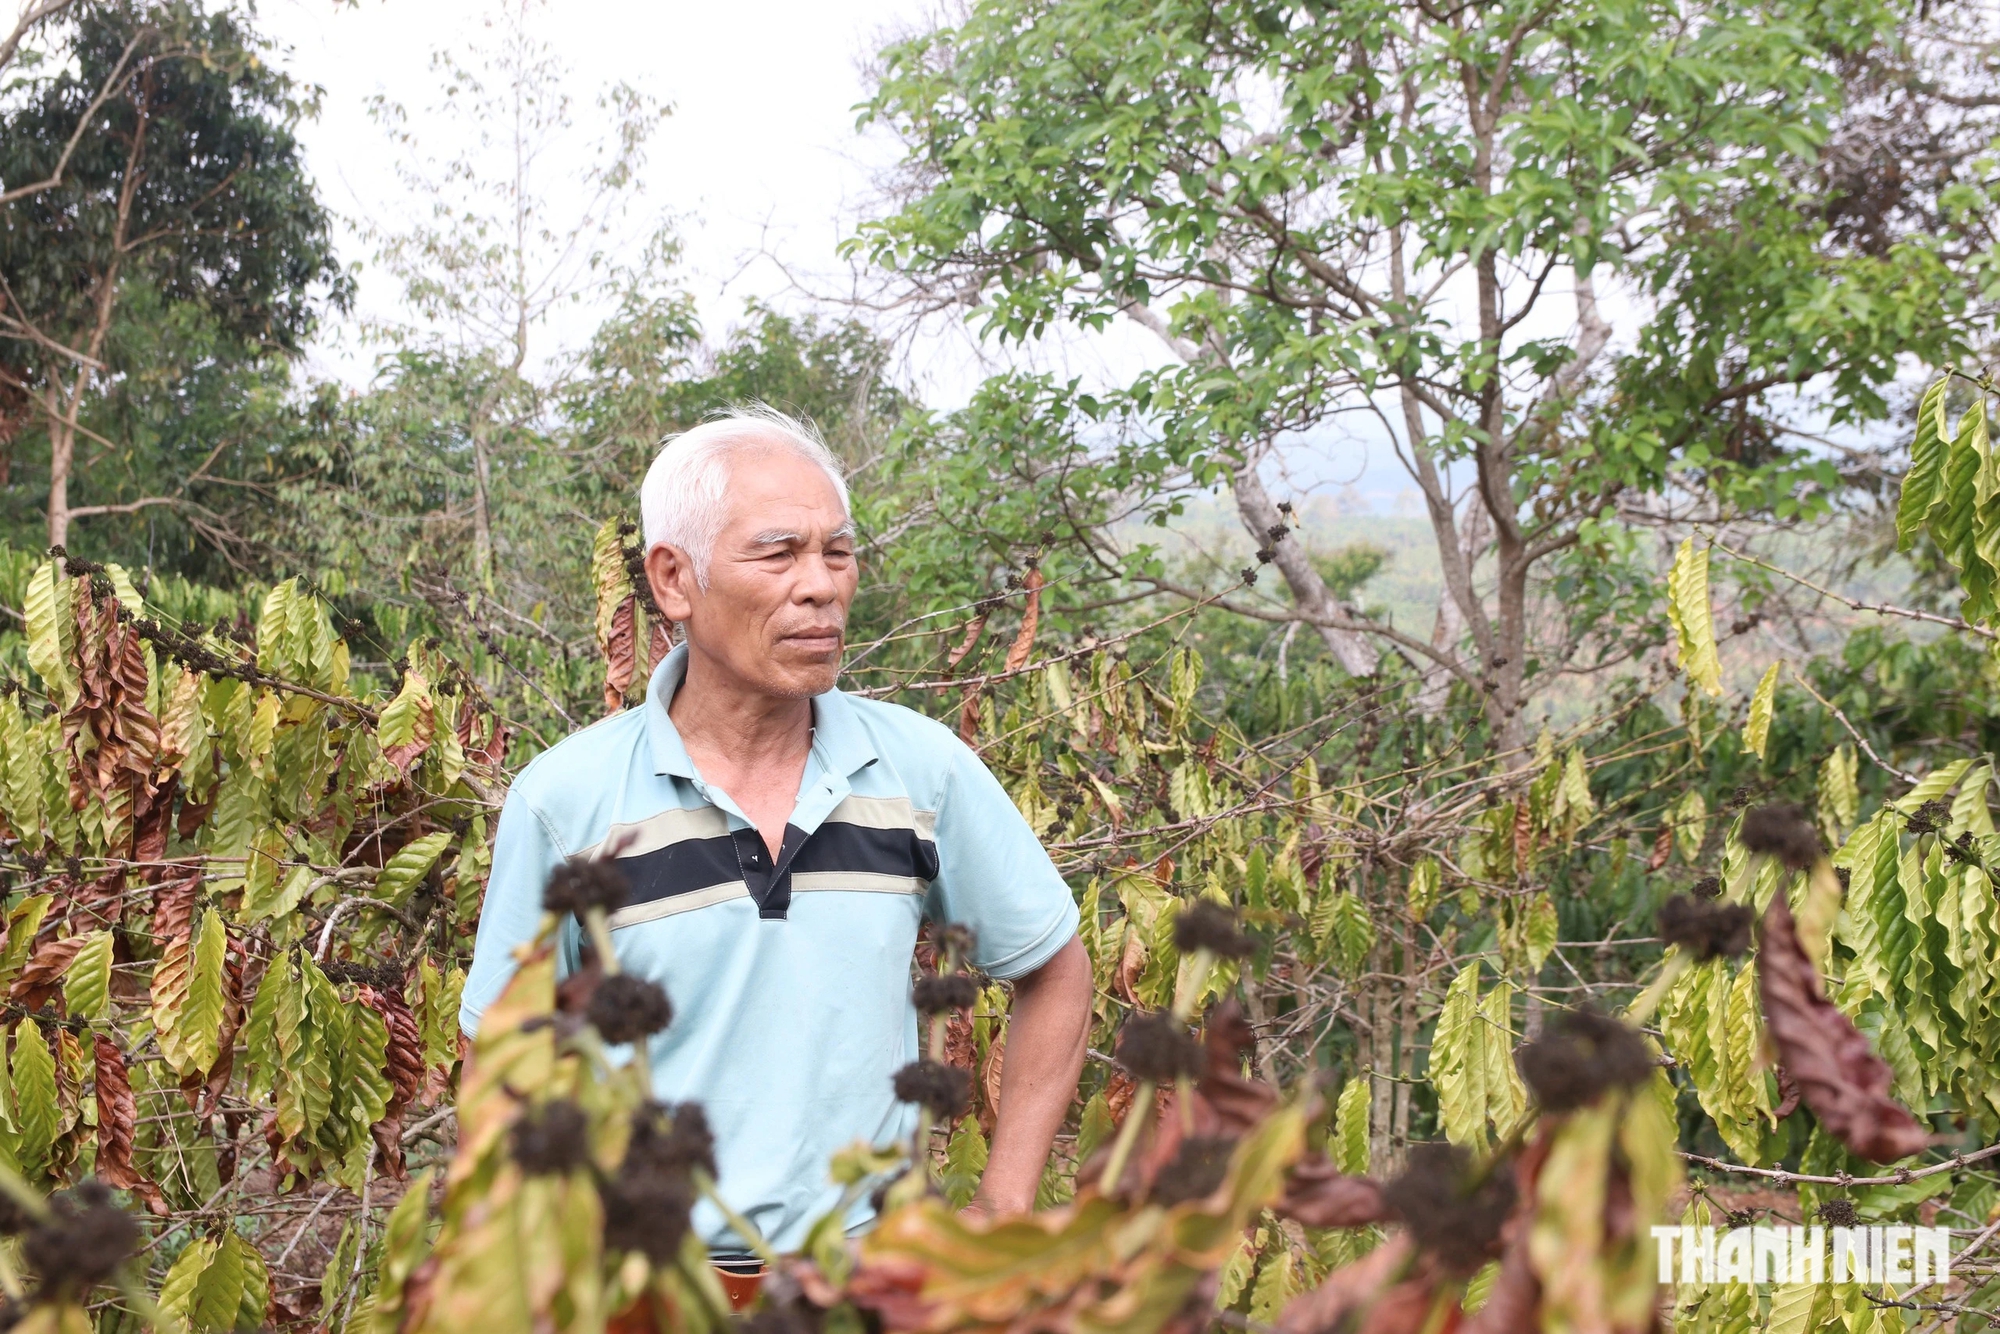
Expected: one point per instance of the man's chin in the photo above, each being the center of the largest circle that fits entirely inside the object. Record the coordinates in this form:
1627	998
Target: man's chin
803	674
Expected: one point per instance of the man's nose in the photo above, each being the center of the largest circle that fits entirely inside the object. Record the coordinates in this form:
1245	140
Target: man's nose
815	583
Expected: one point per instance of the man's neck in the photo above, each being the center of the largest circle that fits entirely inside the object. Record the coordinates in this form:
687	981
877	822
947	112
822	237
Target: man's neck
735	728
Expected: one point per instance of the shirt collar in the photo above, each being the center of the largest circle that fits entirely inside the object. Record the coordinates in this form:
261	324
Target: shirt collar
842	742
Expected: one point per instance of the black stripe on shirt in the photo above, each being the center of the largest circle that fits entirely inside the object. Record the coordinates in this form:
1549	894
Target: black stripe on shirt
698	863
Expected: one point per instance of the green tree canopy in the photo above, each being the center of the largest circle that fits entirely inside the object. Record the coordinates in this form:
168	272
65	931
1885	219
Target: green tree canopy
154	182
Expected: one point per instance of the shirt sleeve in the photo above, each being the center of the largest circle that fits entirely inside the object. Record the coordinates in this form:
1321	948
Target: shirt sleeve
523	855
994	876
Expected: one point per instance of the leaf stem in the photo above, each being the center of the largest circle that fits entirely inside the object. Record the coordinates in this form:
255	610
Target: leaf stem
1128	1135
738	1224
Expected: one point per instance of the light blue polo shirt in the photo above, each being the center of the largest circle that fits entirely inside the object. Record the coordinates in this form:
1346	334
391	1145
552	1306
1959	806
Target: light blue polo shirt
790	983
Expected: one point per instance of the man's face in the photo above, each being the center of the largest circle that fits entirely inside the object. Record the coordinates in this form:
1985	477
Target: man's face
774	614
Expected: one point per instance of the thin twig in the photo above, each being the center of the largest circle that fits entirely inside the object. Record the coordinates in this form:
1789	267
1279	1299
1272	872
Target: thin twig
1907	1174
1852	730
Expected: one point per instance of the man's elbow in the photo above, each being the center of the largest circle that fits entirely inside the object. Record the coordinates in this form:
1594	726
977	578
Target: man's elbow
1062	986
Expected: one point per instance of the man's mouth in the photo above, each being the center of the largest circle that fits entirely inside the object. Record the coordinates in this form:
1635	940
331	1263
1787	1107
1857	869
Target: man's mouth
822	640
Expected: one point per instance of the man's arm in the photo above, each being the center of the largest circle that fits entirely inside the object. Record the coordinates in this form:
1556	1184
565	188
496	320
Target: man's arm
1046	1034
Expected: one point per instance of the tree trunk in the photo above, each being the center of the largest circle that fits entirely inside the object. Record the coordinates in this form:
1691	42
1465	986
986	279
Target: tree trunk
482	488
1406	1053
62	419
1352	650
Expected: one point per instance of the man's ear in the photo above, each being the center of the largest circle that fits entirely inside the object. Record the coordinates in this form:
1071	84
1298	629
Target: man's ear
671	575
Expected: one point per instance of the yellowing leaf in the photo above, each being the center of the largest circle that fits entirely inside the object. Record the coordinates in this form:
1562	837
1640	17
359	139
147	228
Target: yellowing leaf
1757	727
1458	1061
1792	1307
408	722
1423	889
51	623
178	1291
1348	1146
37	1116
1692	618
1839	794
188	997
87	983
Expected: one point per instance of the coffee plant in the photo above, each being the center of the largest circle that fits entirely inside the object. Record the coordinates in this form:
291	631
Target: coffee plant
1392	1033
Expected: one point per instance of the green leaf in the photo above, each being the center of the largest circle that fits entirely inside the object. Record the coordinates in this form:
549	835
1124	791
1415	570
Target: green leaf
405	1244
1348	1146
198	1027
51	625
180	1290
1927	454
1349	934
410	864
87	983
964	1162
1276	1284
339	1270
37	1115
1692	618
218	1297
255	1305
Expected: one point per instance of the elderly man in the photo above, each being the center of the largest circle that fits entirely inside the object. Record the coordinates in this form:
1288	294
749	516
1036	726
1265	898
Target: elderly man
784	841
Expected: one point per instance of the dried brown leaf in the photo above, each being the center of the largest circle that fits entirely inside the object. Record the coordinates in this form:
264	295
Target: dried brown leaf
973	630
1515	1297
173	906
1319	1194
42	975
117	1123
1843	1082
1351	1296
968	717
404	1061
1031	614
621	652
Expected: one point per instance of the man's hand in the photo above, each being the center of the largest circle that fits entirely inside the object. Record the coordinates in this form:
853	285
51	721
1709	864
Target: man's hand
1045	1041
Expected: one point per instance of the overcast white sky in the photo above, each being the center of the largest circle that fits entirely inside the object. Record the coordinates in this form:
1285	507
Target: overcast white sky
760	153
760	159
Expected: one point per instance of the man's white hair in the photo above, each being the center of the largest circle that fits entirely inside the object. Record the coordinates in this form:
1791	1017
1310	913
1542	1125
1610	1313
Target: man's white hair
684	499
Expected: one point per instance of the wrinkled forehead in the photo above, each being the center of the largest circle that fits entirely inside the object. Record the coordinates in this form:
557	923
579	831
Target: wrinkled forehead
778	494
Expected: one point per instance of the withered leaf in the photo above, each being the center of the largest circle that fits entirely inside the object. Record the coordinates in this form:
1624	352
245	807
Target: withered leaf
1359	1297
404	1059
621	654
42	975
1845	1084
972	633
1319	1194
1031	614
1516	1294
659	642
1237	1103
988	1101
968	717
117	1123
173	906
